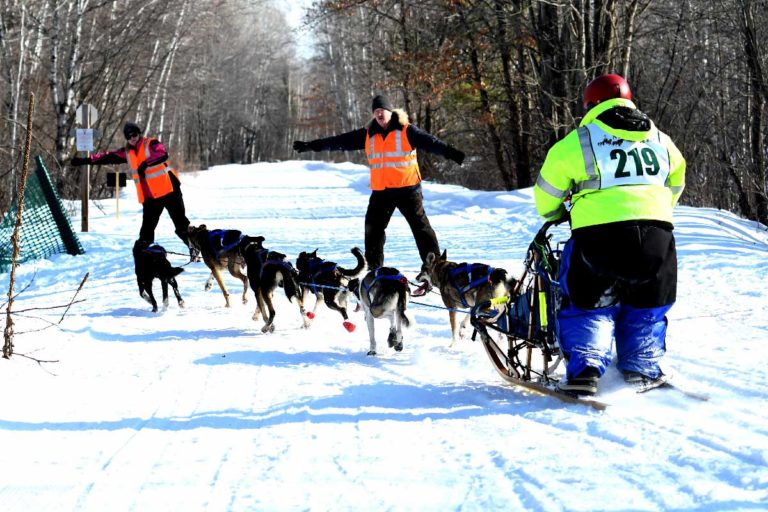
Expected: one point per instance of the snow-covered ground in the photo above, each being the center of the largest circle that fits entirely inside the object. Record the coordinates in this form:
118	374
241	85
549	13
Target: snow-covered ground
195	409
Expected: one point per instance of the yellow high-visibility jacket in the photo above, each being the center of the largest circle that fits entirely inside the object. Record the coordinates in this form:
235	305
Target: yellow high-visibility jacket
611	175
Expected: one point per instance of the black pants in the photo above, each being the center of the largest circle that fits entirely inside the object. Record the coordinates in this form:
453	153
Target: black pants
634	263
381	205
153	208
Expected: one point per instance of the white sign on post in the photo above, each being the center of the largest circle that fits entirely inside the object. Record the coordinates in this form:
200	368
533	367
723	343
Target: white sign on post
84	139
87	115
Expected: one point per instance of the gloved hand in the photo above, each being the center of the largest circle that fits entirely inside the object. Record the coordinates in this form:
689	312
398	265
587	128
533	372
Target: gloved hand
454	154
142	169
78	161
301	146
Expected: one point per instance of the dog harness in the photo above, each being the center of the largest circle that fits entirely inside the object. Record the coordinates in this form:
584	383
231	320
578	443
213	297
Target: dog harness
316	268
378	276
477	274
219	242
156	249
263	256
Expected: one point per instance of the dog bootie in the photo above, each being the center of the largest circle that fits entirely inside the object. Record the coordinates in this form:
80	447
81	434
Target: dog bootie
349	326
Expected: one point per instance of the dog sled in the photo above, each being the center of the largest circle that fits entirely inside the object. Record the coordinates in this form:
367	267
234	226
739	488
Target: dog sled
520	332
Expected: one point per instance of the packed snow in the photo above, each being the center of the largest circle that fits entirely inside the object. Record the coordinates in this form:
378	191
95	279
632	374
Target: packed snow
108	406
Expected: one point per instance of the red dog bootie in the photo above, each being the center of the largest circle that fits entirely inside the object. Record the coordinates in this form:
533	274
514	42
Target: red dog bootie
349	326
311	315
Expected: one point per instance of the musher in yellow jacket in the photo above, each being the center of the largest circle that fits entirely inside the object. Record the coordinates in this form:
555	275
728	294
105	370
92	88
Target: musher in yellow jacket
619	269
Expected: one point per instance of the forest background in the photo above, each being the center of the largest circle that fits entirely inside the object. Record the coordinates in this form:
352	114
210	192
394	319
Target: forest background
223	81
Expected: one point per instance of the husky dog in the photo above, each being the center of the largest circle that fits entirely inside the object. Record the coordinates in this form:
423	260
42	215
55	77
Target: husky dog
328	282
266	271
219	249
461	285
151	262
384	293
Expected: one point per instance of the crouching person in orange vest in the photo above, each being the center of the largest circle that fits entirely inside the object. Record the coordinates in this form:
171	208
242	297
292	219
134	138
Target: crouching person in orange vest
157	183
390	141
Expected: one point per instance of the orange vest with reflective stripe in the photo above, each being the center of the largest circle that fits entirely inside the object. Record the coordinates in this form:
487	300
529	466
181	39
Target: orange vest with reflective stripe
157	180
392	160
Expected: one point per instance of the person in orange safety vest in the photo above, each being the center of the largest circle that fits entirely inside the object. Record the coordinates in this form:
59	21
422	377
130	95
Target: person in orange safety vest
157	183
390	141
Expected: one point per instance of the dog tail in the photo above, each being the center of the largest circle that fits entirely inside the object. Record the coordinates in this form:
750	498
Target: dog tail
174	271
359	269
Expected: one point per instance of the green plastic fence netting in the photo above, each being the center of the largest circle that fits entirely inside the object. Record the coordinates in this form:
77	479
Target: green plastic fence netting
45	228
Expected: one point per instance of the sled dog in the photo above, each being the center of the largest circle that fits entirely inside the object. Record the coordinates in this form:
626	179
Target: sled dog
328	281
462	285
384	293
219	249
151	263
266	271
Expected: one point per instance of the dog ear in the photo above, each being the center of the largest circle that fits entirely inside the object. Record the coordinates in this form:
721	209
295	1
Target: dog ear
444	256
430	258
260	239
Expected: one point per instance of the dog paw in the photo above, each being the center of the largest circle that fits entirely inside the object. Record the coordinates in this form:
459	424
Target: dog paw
268	328
181	304
371	353
349	326
357	307
399	347
208	287
311	315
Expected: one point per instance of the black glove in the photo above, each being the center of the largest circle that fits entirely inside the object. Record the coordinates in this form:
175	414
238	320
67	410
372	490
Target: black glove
301	146
454	154
142	169
78	161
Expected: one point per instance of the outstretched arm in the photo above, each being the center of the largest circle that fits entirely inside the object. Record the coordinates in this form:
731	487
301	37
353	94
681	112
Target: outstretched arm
349	141
420	139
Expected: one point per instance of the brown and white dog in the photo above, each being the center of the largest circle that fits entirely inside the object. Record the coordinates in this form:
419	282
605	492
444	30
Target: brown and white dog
327	281
462	285
219	249
384	293
266	271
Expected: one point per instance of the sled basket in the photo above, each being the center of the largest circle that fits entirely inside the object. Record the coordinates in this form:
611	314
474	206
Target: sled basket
520	332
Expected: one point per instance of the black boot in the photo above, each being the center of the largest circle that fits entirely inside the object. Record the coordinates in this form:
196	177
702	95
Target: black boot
583	384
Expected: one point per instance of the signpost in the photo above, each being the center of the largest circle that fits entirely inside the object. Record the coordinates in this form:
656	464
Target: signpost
86	115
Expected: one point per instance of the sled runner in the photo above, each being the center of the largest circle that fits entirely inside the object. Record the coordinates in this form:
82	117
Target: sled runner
519	332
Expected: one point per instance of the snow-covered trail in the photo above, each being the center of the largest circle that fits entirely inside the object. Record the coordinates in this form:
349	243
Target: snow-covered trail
196	409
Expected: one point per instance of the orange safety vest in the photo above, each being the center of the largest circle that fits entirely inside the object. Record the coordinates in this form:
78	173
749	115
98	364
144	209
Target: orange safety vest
392	160
157	180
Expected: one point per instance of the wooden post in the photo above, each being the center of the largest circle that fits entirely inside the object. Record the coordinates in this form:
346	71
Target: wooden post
85	185
117	194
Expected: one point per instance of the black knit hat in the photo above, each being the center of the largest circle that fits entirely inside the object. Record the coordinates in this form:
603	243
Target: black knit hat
131	129
381	101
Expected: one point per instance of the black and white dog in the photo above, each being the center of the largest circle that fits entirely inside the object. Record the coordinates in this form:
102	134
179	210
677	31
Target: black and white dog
384	293
328	282
152	263
266	271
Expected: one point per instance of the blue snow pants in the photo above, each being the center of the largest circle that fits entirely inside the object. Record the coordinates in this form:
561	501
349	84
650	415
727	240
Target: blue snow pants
619	281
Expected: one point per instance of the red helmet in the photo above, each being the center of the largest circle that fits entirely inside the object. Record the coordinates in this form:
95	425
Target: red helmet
604	88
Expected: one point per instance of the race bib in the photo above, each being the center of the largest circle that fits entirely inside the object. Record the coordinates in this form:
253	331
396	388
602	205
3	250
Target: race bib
625	162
